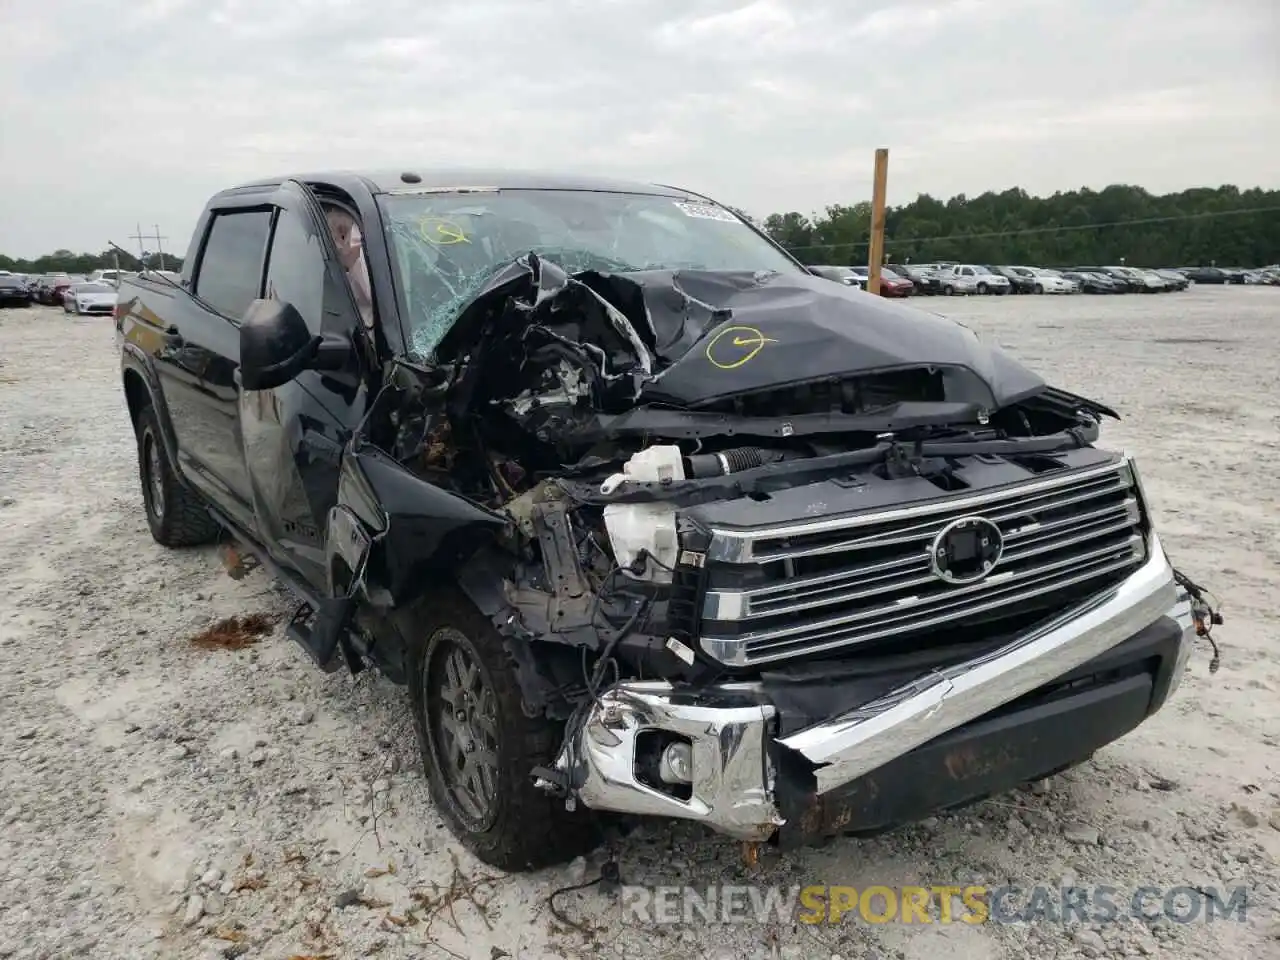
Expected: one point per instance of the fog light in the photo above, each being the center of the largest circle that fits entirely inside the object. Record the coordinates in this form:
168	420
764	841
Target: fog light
676	765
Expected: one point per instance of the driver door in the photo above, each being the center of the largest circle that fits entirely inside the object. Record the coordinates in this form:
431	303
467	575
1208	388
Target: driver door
294	434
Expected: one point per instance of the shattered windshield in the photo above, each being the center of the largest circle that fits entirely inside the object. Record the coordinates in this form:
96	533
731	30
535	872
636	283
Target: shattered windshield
446	246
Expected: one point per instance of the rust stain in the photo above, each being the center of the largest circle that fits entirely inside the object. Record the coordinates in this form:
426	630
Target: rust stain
965	763
235	633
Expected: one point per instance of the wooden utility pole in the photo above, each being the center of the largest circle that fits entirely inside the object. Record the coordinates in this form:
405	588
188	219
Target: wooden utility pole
875	256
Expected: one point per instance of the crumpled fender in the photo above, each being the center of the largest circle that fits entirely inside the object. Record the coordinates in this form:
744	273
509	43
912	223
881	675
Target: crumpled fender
418	533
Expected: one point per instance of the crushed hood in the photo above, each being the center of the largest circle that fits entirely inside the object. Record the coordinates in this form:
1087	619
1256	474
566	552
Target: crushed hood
692	337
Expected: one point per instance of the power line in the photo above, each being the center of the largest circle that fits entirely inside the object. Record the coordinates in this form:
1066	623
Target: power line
1030	230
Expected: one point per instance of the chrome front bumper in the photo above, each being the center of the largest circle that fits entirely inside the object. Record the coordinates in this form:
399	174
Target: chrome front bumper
732	788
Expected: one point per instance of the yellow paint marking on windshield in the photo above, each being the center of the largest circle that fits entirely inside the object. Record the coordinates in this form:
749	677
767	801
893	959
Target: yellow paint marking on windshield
734	346
441	232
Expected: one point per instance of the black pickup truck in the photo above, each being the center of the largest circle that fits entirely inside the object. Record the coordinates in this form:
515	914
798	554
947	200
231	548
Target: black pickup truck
647	518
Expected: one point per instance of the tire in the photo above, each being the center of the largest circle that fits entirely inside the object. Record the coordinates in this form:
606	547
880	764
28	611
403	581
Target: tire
175	513
949	290
1039	288
455	654
982	289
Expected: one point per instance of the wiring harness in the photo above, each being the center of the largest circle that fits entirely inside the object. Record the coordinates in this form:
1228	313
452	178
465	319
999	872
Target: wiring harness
1206	615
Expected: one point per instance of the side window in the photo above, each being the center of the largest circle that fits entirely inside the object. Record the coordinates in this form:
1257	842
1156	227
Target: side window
230	267
296	268
967	271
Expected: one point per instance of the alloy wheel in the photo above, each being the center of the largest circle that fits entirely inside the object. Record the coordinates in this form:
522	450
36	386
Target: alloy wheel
462	724
155	475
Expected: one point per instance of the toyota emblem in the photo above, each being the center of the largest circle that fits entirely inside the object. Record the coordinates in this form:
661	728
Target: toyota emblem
966	550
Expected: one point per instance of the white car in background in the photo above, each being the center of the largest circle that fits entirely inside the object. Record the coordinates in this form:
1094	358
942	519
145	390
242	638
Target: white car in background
112	277
93	297
970	278
1051	281
1143	278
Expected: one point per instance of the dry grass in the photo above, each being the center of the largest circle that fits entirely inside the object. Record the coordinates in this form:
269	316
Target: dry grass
235	633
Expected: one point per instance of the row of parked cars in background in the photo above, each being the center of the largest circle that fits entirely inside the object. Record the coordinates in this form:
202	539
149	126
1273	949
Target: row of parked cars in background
957	279
95	293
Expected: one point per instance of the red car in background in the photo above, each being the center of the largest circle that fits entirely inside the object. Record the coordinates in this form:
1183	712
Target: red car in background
51	289
891	284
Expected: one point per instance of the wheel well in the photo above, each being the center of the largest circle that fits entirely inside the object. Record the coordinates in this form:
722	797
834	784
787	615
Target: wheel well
136	394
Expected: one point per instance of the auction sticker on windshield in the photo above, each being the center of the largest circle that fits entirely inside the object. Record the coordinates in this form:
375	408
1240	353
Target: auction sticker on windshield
705	211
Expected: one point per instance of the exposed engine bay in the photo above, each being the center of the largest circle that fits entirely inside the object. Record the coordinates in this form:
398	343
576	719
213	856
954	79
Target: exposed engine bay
598	411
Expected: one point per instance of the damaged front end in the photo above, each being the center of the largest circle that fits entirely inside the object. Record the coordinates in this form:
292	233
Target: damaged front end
773	550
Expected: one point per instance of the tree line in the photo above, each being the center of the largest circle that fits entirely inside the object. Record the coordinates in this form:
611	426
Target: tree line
1224	225
80	264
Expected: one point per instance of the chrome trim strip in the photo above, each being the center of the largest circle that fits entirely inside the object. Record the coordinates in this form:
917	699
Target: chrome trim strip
925	531
848	746
994	581
934	618
735	546
1029	540
808	595
1127	508
930	617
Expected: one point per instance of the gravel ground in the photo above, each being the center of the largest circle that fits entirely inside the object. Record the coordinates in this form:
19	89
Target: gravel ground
162	800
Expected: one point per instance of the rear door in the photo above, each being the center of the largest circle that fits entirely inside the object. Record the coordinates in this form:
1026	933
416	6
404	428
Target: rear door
200	351
293	436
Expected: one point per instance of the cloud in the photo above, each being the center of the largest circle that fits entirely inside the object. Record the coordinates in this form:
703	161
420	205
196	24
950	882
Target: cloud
133	111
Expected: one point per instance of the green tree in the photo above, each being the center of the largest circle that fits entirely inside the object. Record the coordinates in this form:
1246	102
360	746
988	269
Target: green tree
64	261
1225	224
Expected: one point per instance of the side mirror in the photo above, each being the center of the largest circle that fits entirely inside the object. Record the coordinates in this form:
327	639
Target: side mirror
276	346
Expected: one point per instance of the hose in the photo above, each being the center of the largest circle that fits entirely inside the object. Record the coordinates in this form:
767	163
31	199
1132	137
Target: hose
702	465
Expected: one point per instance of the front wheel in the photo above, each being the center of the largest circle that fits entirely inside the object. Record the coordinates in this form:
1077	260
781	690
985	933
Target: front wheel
1039	288
479	747
982	288
949	290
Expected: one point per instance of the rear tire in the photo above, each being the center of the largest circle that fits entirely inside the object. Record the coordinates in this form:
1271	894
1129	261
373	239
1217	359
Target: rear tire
949	290
175	513
479	747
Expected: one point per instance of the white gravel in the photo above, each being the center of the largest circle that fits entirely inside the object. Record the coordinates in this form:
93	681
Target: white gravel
154	796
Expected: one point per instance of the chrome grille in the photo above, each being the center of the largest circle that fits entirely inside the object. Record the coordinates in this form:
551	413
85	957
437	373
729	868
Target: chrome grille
818	586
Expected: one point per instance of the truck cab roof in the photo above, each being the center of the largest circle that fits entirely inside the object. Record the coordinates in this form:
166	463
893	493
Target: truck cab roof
423	179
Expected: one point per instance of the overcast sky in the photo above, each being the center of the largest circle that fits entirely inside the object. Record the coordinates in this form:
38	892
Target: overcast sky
116	112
